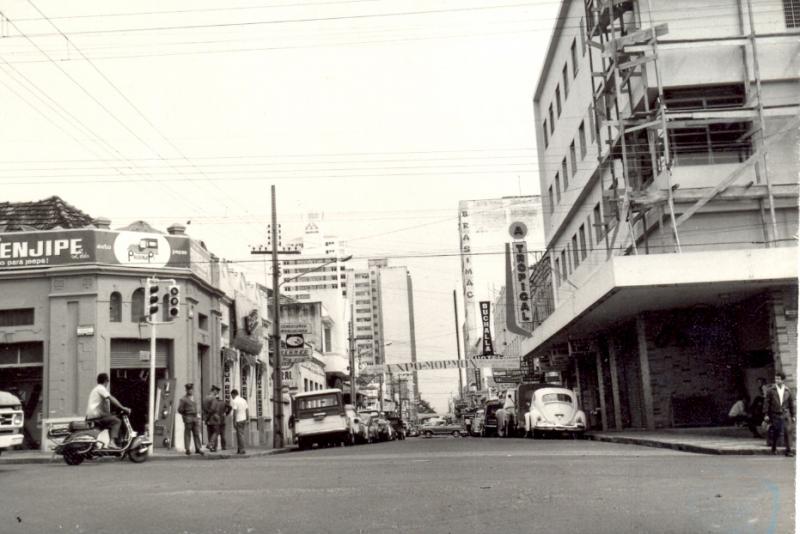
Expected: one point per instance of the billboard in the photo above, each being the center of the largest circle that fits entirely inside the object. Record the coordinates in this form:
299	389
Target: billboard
21	250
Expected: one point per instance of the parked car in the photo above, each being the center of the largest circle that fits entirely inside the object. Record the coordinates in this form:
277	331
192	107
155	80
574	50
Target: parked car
441	427
357	424
554	410
379	429
488	424
477	423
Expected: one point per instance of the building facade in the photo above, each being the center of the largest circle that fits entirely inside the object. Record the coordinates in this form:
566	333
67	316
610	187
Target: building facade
668	158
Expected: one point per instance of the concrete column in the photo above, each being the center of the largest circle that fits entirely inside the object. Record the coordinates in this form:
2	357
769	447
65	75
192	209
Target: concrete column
601	387
783	332
612	361
644	366
578	382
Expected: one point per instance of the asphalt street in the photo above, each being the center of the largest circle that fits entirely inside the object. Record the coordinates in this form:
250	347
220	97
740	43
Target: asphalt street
418	485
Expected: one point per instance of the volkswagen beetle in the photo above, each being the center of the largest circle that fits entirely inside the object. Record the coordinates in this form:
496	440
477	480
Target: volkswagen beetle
554	410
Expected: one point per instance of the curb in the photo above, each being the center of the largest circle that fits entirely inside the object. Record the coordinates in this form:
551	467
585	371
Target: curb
685	447
48	459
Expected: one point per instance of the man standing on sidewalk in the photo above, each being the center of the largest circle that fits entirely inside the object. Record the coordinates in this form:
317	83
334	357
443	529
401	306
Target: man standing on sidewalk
187	407
779	409
241	415
211	417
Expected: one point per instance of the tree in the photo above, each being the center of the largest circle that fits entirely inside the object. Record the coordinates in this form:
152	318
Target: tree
424	407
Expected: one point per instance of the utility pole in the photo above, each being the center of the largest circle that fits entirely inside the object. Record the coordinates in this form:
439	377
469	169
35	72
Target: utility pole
350	340
277	378
458	347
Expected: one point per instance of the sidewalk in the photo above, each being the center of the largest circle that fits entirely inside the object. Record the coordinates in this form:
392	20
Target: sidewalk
38	457
713	440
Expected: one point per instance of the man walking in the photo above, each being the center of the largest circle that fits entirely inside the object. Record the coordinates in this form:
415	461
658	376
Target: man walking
211	417
779	409
241	415
187	407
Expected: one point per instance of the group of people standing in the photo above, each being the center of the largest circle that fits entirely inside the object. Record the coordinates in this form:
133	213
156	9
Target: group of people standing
214	413
774	407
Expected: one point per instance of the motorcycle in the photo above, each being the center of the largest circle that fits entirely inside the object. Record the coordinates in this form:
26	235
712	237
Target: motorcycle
85	442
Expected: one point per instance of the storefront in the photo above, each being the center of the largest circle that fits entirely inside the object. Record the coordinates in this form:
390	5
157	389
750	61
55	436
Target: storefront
130	372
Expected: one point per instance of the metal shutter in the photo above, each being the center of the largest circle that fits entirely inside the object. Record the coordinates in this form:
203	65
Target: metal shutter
125	353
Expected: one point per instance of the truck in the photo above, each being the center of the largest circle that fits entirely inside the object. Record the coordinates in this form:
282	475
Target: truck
11	420
320	417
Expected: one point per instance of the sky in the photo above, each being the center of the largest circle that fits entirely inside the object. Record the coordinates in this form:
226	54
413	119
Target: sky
382	114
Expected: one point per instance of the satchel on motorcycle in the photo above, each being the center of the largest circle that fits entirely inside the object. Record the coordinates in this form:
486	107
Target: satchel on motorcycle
85	442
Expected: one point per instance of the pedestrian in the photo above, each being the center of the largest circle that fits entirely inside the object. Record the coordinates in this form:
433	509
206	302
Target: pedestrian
241	415
211	417
187	407
223	410
779	409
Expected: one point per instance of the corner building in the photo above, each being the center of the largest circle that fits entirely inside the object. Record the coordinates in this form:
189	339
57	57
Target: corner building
668	158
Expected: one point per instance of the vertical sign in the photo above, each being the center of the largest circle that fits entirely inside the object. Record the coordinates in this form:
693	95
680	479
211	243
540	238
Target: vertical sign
245	376
259	390
226	381
522	295
466	271
488	348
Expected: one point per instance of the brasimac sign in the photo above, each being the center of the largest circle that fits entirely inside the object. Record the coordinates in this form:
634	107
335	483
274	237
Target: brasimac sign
74	247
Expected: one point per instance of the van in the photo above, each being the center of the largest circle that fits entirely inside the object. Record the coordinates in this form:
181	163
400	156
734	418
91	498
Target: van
11	421
320	417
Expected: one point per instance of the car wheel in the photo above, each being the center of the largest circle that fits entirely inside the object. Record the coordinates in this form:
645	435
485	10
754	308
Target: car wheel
428	434
456	434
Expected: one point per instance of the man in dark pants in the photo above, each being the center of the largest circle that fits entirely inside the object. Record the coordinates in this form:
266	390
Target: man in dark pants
779	409
241	415
98	409
223	409
211	417
187	407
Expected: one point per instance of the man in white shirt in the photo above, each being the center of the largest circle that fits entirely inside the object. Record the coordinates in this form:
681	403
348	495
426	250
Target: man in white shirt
98	409
241	415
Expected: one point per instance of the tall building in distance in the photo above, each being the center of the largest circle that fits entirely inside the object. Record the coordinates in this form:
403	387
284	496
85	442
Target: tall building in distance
318	266
484	229
668	153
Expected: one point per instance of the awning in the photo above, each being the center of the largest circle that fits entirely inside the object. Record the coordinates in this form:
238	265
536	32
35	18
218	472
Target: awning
625	286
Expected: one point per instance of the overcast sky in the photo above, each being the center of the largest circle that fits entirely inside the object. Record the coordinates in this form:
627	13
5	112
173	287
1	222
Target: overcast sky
382	114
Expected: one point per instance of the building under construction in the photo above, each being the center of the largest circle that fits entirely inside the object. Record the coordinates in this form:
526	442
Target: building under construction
669	150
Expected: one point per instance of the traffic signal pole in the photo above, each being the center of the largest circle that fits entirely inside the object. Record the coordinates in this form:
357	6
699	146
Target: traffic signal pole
151	416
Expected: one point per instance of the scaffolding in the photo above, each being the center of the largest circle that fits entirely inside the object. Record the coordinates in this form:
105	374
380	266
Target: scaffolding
635	124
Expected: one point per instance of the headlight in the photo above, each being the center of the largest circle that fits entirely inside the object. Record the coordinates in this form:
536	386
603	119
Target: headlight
17	420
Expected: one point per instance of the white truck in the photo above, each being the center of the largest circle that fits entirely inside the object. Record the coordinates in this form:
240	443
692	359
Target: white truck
11	420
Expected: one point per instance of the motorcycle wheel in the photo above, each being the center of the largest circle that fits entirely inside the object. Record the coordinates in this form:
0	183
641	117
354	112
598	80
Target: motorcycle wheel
72	458
137	456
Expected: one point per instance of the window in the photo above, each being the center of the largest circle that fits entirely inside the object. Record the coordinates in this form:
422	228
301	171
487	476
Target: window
564	173
16	317
591	123
582	139
791	12
589	235
202	321
582	237
576	259
552	120
573	50
137	305
558	100
565	78
572	160
328	342
583	36
550	197
558	272
115	307
564	264
598	224
558	188
546	139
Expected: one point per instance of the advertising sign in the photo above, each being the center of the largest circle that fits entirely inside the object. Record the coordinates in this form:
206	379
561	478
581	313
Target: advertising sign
291	356
466	269
74	247
494	360
295	328
522	304
488	347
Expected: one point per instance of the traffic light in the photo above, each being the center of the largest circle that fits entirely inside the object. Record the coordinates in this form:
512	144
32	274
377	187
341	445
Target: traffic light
174	300
152	299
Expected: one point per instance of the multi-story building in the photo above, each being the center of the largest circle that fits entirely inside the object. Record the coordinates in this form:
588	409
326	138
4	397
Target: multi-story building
668	157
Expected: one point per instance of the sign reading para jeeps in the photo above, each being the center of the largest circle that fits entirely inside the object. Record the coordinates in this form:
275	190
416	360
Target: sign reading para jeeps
71	247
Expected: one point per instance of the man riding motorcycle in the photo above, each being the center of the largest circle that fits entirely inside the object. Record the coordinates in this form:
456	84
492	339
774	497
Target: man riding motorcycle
98	409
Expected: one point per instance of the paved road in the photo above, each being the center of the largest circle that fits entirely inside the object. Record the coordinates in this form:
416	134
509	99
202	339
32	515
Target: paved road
418	485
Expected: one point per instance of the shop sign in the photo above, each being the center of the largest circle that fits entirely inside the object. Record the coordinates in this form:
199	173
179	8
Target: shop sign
260	391
488	347
251	322
518	230
226	381
286	376
291	356
521	284
295	328
244	375
71	247
294	341
507	376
